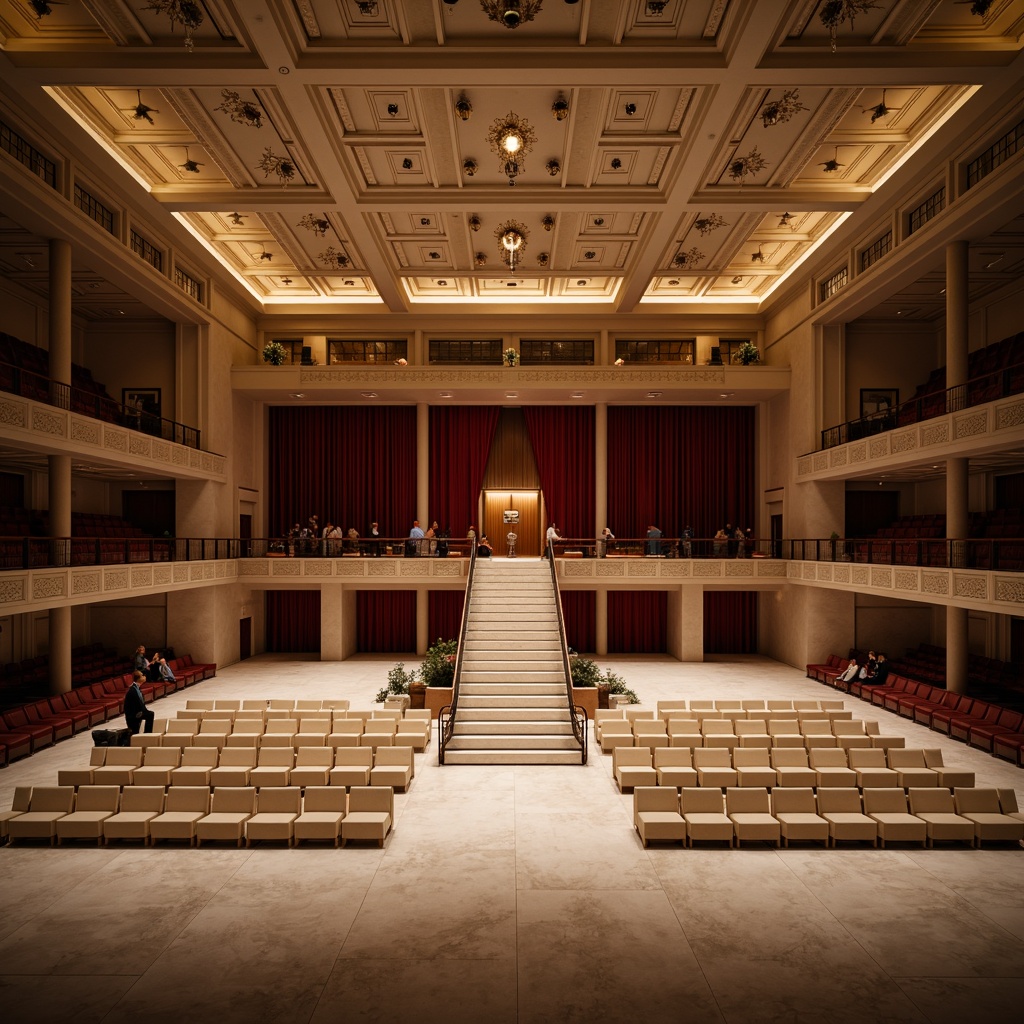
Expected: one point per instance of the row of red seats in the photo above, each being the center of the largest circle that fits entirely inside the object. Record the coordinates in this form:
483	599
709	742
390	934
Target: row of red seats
36	725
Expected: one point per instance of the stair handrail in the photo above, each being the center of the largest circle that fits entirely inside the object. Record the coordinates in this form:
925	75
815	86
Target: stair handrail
446	722
579	731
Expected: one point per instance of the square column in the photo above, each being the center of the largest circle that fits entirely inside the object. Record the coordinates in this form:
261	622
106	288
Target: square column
685	625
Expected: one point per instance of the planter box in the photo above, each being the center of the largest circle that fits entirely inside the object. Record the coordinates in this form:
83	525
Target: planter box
436	697
586	697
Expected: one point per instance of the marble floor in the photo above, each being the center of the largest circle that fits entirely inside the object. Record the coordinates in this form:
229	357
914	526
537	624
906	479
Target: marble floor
511	894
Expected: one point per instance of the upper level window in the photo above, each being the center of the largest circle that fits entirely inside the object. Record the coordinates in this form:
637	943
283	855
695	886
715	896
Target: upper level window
25	153
729	349
366	351
536	351
188	284
657	350
458	351
149	252
1000	150
876	250
920	215
94	209
832	284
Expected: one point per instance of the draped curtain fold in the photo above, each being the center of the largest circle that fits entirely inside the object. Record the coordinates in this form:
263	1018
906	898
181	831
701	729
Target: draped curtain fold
563	445
460	442
579	613
293	621
637	621
386	621
730	622
444	614
350	465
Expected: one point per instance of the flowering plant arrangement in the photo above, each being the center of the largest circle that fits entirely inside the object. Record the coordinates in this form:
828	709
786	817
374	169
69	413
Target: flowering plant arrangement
510	357
620	361
274	353
401	362
748	353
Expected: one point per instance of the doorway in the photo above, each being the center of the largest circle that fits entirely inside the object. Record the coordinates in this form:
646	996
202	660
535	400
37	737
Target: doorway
245	638
528	529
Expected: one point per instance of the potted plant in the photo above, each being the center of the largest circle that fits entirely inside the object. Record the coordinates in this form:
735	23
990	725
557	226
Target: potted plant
510	357
274	353
400	682
438	668
748	353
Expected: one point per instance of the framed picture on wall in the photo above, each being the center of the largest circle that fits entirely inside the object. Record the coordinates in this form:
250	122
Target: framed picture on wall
141	404
876	402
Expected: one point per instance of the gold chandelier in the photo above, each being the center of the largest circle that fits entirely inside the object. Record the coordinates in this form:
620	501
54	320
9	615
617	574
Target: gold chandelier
511	13
511	137
511	243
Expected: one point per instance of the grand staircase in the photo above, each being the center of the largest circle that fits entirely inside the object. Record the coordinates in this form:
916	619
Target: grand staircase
512	704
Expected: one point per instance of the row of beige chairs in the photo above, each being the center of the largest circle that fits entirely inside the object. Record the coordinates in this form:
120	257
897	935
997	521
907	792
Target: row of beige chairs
277	703
720	768
685	732
831	815
288	732
189	813
270	714
667	708
244	766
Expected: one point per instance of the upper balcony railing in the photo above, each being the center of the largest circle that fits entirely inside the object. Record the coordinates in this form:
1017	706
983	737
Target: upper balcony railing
988	388
27	384
1002	554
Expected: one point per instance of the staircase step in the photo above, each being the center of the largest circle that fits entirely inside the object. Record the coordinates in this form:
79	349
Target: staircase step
511	714
513	655
511	701
503	741
499	645
490	727
485	757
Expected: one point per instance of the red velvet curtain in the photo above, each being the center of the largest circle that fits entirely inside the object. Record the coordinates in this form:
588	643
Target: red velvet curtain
580	615
563	445
730	622
637	621
444	615
460	442
293	621
386	621
348	464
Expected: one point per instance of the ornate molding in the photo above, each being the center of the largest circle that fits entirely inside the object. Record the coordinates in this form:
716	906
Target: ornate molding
935	583
115	579
711	567
1009	590
85	431
905	579
741	569
607	568
878	447
825	571
970	586
142	576
970	426
316	567
46	422
1009	415
12	590
770	569
935	433
841	574
44	587
85	583
641	569
860	575
12	414
678	568
904	441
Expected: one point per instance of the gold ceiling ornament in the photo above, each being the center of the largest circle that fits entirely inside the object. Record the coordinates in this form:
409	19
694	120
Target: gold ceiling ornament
511	137
782	110
42	9
833	165
282	166
187	13
743	166
687	258
560	108
511	13
244	112
757	257
834	13
332	257
190	165
712	222
463	108
318	225
141	111
878	111
511	243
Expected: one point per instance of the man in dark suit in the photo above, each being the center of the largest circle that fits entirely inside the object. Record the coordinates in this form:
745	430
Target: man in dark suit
135	710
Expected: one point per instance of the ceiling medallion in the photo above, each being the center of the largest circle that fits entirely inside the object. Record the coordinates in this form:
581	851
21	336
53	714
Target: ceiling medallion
713	221
318	225
781	110
332	257
187	13
463	108
833	165
560	109
687	258
512	243
836	12
279	165
511	137
881	110
245	112
511	13
757	257
190	165
746	165
141	112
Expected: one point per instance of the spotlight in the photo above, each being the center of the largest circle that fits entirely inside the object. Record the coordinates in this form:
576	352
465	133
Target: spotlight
630	109
464	108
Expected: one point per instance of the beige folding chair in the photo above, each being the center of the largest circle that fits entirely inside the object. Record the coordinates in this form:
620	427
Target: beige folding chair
895	823
616	732
910	768
276	810
323	810
47	805
352	766
234	768
309	705
753	767
817	733
751	815
650	732
184	806
982	807
19	805
872	771
139	806
118	766
371	810
1007	802
273	767
797	813
247	732
93	805
312	766
667	709
792	768
633	766
847	822
392	766
196	765
656	814
718	732
785	732
674	766
413	733
685	732
850	734
949	778
227	705
379	732
345	732
230	809
83	776
704	814
831	767
935	807
752	733
156	767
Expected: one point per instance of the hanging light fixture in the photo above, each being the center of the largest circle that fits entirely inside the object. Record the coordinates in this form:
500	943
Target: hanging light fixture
511	137
834	13
757	257
833	165
784	220
511	13
42	9
511	243
713	221
141	111
332	257
236	219
781	110
187	13
318	225
282	166
687	258
881	110
190	165
560	109
246	112
463	108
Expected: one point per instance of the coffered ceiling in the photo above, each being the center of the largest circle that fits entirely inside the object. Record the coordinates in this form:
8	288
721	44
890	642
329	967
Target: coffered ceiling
336	152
